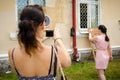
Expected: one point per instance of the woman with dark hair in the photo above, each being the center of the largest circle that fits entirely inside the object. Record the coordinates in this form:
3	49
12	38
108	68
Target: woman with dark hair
32	59
103	50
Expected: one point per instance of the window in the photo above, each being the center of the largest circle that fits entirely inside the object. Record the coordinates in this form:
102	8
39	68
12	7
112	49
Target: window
22	3
88	12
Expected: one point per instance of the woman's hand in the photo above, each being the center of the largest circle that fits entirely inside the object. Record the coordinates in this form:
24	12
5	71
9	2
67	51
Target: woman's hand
56	33
110	58
90	30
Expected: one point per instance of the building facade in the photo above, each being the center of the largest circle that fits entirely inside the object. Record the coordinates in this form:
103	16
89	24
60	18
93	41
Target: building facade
86	13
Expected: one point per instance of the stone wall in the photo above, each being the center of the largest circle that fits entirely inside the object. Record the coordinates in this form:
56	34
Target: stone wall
4	65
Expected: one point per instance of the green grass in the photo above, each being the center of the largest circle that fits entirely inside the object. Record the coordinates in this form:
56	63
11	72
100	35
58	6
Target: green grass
10	76
86	71
83	71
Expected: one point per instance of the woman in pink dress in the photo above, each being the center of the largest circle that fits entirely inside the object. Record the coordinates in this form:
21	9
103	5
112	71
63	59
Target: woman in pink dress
103	50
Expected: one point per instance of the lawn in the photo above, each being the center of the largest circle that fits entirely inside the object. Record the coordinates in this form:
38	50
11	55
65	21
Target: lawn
86	71
83	71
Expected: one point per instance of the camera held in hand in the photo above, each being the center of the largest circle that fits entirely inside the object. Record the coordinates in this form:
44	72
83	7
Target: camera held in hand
49	33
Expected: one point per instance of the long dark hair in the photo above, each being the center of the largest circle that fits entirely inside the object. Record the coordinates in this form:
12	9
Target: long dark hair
30	18
104	30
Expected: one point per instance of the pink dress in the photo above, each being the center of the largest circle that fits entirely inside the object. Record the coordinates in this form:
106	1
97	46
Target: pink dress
102	56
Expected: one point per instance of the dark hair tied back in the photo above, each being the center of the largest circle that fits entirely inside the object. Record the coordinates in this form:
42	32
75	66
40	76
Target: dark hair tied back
30	18
104	30
26	35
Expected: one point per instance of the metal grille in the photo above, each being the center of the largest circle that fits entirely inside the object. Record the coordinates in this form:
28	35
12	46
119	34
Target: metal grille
83	15
22	3
39	2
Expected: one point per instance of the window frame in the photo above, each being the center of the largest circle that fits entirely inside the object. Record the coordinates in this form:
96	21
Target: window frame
85	30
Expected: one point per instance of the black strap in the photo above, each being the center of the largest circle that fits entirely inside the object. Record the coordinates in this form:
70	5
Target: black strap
14	62
51	60
55	63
